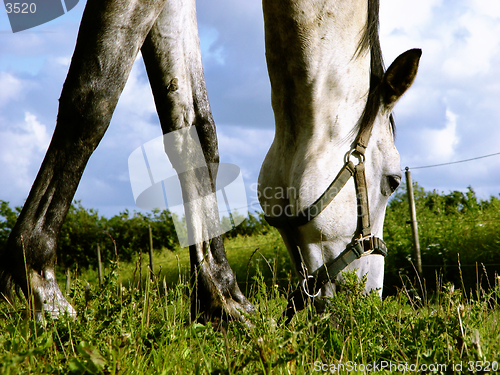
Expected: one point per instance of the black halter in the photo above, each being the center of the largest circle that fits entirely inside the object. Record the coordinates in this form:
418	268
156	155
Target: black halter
363	243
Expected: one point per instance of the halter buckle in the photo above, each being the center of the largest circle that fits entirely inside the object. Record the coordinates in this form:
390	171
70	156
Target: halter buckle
367	250
305	287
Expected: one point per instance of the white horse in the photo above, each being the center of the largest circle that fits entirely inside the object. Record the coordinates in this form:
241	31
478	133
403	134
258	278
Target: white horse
330	96
322	56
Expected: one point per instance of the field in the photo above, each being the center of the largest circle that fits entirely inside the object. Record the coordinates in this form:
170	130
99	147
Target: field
132	325
446	322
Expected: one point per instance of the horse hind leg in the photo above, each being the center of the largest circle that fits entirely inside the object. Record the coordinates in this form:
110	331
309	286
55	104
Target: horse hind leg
109	39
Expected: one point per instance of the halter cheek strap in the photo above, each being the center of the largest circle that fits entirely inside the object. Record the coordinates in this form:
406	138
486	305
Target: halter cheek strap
363	243
310	212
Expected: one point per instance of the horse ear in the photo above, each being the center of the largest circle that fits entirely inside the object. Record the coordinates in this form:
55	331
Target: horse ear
399	76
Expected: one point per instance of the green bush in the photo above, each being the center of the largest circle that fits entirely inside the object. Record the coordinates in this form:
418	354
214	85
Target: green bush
454	229
8	218
81	232
252	225
129	234
123	236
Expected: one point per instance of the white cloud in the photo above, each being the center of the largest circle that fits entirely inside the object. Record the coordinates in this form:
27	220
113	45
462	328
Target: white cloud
475	42
10	88
62	60
405	16
235	142
244	147
459	41
487	7
210	51
440	143
135	120
22	149
454	100
38	132
403	24
136	96
247	148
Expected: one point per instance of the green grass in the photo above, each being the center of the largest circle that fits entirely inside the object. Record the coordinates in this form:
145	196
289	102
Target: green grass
121	329
248	256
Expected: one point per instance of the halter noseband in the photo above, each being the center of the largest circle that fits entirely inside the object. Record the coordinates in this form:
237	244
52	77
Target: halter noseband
363	243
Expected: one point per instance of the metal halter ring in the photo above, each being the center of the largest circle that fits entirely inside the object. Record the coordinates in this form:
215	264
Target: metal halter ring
305	287
357	154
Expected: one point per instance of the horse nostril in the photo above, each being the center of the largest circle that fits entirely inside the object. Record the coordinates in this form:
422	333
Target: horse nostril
394	182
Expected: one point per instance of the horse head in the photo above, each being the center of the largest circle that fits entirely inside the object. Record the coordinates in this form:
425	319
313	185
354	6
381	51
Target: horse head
333	164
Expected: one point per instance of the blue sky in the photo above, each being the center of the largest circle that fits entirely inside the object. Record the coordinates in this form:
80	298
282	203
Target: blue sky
451	113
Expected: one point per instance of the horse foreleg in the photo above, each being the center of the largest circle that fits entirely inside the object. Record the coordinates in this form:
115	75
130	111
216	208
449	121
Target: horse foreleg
172	56
109	39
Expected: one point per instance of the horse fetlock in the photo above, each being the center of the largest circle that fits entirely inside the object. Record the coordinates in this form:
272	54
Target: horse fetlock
47	296
216	295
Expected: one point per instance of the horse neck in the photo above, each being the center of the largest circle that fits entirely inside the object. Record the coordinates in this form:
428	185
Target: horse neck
319	75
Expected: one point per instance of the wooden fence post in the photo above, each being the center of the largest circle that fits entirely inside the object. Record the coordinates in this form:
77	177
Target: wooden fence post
413	222
151	266
68	281
99	264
